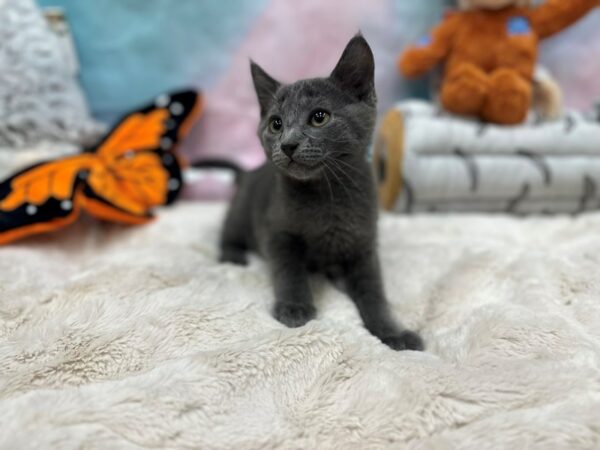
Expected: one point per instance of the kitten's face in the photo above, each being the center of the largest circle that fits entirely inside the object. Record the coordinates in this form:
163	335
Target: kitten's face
310	127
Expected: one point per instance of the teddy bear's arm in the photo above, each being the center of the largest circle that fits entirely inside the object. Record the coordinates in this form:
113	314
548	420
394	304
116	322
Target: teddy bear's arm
418	59
554	16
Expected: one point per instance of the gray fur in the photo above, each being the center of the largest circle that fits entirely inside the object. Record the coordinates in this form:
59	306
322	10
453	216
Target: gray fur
312	207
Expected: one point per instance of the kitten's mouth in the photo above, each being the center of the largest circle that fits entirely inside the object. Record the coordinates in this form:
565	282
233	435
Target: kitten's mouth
293	163
300	170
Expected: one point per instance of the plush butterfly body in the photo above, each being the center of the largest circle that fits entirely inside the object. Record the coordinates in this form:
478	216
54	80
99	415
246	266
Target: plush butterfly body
132	171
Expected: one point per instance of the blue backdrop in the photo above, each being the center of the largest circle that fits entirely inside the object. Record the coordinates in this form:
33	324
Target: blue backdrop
132	49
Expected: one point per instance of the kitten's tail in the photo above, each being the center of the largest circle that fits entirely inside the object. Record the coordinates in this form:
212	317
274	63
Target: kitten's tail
220	164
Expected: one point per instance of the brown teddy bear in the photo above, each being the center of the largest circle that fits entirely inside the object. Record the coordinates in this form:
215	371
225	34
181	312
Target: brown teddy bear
489	50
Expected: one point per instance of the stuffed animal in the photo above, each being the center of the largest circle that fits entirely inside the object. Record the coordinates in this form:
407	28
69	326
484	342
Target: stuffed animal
133	170
489	49
547	96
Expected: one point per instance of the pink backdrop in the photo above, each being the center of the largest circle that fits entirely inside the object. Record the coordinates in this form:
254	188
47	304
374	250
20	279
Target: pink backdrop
293	40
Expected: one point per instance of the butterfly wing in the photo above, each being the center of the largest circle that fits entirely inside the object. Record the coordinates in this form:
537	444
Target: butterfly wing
132	171
140	170
127	191
42	198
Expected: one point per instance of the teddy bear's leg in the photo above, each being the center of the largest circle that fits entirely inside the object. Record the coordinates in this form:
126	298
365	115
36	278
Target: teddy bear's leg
465	90
509	99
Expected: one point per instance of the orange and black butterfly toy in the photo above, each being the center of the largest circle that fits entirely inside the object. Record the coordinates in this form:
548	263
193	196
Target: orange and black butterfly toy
133	170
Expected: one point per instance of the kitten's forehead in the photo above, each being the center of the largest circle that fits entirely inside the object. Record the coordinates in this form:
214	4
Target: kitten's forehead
306	93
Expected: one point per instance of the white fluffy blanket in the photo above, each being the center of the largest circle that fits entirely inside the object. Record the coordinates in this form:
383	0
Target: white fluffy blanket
137	338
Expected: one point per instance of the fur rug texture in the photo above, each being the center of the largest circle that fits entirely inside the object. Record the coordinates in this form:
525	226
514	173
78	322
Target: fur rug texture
131	338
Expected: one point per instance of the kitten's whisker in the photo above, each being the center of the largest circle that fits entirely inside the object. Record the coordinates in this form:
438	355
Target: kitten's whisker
344	173
341	182
350	166
337	140
331	200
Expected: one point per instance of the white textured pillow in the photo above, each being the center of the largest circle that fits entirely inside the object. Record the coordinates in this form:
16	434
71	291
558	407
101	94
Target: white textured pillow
39	96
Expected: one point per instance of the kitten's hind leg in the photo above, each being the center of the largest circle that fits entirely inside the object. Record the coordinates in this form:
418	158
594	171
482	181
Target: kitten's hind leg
233	254
234	246
365	287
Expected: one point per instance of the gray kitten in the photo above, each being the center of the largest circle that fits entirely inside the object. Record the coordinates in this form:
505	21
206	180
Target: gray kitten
312	207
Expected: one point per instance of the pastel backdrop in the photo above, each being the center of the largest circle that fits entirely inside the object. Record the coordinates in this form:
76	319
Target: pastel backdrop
131	50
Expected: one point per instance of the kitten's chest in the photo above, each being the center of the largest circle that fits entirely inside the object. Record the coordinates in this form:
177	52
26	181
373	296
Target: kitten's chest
337	233
336	245
335	222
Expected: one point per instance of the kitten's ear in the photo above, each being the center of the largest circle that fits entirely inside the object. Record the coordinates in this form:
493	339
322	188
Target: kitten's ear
265	87
355	72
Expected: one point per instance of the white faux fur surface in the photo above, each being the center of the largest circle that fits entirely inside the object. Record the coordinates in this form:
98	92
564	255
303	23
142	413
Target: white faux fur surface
130	338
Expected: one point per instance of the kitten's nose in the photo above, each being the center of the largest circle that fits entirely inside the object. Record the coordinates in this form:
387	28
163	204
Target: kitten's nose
289	149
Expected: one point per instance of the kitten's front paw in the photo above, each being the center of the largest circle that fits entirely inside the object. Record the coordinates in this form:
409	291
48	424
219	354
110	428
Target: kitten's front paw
294	315
406	340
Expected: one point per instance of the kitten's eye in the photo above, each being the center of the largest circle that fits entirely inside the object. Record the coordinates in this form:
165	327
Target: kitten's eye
276	125
320	118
